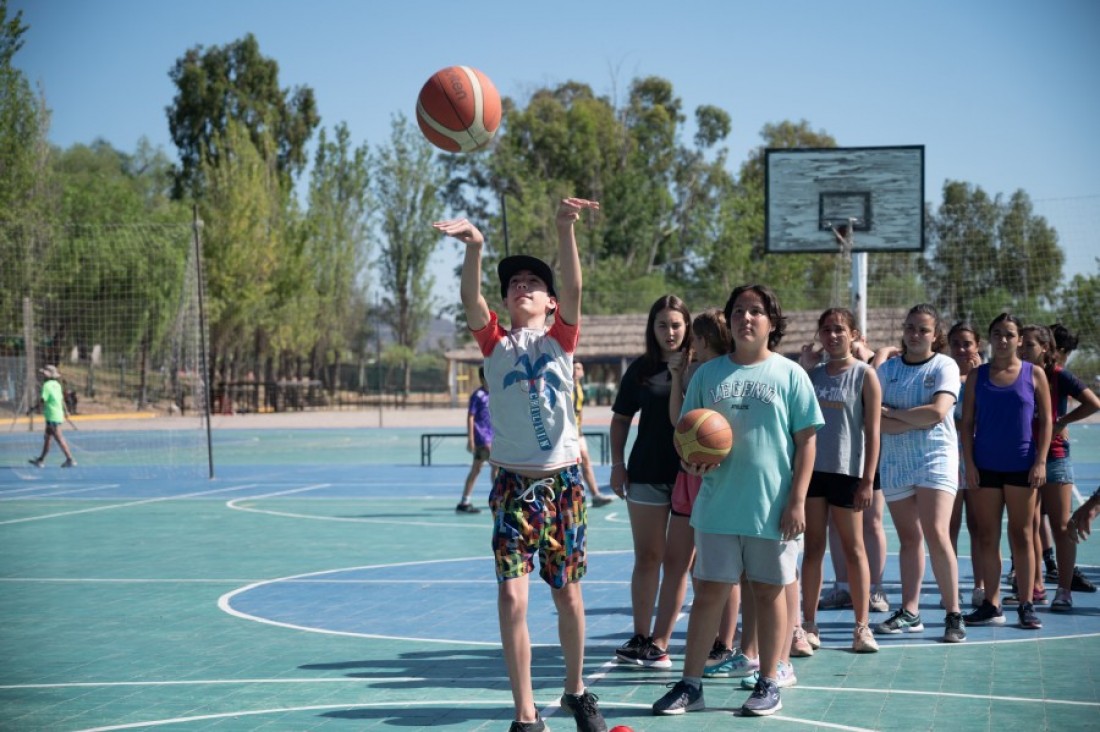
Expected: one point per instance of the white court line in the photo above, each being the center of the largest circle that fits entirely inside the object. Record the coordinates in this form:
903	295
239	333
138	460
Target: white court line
47	486
112	506
67	492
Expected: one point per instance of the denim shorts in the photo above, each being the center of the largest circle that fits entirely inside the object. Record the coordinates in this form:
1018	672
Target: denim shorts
1059	470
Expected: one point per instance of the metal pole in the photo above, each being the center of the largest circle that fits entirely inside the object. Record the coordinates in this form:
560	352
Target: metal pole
196	227
29	381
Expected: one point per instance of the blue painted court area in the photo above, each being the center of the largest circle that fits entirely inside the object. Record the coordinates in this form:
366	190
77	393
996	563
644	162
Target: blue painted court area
324	581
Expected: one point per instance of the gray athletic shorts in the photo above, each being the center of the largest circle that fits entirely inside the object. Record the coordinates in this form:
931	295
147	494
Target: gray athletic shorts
725	557
650	494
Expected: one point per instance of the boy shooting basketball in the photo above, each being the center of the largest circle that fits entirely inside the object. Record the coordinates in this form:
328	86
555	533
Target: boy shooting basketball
538	497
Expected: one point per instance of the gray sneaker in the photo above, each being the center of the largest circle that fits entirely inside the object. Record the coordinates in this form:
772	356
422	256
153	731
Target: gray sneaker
37	462
764	700
953	631
70	463
902	621
683	697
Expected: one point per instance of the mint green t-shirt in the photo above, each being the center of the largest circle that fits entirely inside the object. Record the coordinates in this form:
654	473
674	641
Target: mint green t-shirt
53	408
766	404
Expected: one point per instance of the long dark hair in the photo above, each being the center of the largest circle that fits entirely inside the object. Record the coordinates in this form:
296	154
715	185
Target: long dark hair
771	305
1046	338
652	362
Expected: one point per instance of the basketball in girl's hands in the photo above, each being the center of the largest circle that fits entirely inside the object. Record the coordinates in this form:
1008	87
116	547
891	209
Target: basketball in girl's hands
703	437
458	109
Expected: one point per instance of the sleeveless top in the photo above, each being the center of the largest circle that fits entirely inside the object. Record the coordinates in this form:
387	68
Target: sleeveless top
840	441
1003	438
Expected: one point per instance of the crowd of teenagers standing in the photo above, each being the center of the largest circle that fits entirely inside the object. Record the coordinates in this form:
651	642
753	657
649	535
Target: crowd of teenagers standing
821	444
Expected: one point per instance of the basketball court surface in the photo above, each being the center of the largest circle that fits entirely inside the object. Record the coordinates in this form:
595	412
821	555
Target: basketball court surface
324	581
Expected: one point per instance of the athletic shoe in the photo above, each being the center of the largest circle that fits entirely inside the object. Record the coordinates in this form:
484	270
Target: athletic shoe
649	655
467	508
1028	619
785	675
683	698
537	726
879	603
977	597
986	614
953	631
1081	582
601	500
628	652
764	701
1039	597
718	653
813	635
835	599
863	640
800	646
1063	601
902	621
37	462
584	709
70	463
735	667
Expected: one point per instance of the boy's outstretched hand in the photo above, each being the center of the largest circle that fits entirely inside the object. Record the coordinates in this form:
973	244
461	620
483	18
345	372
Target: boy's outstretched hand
569	210
460	229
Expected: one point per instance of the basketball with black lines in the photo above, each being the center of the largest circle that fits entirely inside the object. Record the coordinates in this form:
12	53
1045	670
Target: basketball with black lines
703	437
458	109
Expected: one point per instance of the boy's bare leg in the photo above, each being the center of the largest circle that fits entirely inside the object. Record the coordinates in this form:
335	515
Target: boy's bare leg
706	615
772	630
516	640
570	605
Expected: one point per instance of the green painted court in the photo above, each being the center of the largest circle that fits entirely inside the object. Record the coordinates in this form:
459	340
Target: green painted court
324	581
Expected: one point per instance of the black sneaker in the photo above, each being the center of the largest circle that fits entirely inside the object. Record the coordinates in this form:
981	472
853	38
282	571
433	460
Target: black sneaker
683	698
628	652
953	628
902	621
1028	619
467	508
764	700
647	654
584	709
718	653
537	726
986	614
1081	582
37	462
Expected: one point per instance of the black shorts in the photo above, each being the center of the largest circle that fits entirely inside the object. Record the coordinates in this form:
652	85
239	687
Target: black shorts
1000	478
836	488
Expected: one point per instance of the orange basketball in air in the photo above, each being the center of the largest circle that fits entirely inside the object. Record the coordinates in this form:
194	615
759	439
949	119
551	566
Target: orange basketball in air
703	437
458	109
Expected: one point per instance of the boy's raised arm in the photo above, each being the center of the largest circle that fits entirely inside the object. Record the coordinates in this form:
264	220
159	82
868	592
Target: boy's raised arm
477	309
569	291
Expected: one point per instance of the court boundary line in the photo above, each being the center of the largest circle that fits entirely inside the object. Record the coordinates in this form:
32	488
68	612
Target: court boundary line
127	504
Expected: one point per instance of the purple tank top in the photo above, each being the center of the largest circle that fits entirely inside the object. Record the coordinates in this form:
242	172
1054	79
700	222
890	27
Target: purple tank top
1003	438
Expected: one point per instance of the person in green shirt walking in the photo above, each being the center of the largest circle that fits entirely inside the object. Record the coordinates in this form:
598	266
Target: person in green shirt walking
53	409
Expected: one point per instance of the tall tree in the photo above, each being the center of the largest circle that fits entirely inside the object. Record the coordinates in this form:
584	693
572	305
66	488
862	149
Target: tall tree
407	186
338	244
235	83
990	255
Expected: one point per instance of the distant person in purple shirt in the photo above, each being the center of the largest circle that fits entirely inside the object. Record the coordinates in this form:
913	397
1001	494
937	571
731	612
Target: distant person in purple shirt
479	439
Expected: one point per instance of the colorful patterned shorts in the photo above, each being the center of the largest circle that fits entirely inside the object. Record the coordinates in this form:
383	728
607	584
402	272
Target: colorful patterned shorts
543	515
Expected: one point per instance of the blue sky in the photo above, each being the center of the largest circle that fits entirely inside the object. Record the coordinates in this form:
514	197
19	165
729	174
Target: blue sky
1005	95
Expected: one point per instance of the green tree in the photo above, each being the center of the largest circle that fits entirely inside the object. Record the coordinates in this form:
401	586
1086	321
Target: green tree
407	186
989	255
235	83
338	246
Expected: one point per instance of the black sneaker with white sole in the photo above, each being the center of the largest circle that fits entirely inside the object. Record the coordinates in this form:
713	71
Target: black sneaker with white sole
585	711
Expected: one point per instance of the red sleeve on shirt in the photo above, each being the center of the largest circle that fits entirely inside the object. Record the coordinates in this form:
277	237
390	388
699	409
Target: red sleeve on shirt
565	334
488	337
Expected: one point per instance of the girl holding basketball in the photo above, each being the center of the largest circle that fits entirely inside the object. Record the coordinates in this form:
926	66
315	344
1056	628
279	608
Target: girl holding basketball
850	397
920	465
1037	345
1006	434
647	482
